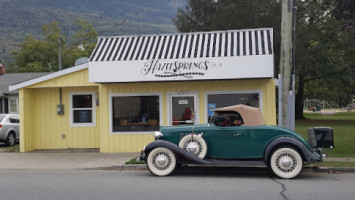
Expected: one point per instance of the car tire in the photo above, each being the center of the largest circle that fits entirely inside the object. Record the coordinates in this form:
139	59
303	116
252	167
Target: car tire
11	139
286	162
194	144
161	161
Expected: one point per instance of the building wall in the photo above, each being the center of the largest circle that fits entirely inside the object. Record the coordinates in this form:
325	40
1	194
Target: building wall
135	142
40	125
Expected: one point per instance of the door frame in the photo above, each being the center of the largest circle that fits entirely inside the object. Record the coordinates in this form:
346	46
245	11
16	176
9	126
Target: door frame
180	94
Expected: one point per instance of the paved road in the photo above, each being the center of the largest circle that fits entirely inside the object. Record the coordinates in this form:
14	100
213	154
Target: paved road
191	184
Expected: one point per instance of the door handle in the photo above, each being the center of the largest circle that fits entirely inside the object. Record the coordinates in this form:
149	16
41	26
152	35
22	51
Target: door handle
236	135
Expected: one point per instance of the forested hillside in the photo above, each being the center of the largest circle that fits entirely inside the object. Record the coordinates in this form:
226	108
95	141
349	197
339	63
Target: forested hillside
19	18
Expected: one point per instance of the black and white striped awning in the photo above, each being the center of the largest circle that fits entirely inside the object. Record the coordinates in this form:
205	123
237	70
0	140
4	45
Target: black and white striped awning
184	45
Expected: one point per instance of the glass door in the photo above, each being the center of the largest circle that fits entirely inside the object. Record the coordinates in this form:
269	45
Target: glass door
182	110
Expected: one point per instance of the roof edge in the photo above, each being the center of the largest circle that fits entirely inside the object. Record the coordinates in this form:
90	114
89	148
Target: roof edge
48	76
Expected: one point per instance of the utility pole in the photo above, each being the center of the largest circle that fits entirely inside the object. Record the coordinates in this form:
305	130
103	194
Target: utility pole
59	56
286	58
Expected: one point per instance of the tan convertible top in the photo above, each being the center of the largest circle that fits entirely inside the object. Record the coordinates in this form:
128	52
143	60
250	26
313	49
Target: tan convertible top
251	116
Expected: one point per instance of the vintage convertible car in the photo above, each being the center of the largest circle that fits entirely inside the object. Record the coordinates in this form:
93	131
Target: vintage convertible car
236	136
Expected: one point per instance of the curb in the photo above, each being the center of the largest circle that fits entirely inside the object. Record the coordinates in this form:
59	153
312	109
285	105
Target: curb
305	169
335	169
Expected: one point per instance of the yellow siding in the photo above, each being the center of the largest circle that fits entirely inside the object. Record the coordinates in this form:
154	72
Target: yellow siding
50	127
27	142
75	79
135	142
42	128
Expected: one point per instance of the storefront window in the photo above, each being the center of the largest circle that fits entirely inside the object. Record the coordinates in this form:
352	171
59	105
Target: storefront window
82	109
223	100
135	113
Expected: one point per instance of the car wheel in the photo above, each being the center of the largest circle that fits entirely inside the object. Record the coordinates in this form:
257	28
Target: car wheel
161	161
194	144
11	139
286	162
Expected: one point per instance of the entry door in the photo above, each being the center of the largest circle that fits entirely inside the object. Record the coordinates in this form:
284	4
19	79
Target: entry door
183	109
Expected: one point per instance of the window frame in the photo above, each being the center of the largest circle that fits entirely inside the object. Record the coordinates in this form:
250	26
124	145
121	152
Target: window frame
111	95
71	109
260	92
16	103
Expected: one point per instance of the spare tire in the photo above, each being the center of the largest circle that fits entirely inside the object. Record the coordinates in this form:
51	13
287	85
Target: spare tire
194	144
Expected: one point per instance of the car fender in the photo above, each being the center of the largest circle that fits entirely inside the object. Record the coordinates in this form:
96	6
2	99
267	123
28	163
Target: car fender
307	154
182	156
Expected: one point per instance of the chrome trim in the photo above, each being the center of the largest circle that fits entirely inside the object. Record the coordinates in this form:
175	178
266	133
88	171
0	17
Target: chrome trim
158	135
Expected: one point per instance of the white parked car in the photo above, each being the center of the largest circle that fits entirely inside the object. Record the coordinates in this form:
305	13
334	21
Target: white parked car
9	128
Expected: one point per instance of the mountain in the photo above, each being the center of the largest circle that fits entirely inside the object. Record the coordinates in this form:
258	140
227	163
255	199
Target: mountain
19	18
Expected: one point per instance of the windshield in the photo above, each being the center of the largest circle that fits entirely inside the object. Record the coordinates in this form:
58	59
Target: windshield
2	117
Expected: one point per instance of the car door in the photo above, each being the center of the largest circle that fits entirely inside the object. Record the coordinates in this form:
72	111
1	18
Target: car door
225	142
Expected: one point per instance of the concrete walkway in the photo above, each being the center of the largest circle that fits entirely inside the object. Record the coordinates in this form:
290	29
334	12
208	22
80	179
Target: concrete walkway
63	161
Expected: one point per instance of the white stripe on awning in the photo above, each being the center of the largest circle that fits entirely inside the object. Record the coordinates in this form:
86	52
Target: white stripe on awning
184	45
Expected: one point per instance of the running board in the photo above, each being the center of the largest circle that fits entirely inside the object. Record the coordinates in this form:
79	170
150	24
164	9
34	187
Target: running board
233	163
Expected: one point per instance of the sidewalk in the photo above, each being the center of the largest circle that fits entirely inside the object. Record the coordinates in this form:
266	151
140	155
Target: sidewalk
64	160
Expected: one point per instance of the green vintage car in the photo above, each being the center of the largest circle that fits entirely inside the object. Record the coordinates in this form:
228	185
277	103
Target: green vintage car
236	136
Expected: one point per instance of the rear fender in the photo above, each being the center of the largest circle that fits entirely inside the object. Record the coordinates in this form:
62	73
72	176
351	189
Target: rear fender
307	154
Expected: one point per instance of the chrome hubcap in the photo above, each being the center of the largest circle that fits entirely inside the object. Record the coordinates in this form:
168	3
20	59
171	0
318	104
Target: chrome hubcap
286	162
192	147
161	160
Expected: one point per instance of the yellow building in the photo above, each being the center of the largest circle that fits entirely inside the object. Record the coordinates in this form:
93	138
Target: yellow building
132	85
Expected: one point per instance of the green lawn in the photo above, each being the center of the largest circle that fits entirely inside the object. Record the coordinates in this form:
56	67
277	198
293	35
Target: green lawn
343	124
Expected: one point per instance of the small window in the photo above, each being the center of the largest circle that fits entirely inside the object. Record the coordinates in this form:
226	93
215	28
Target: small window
13	106
82	109
227	119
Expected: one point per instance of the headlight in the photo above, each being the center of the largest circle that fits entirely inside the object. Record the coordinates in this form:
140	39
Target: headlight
158	135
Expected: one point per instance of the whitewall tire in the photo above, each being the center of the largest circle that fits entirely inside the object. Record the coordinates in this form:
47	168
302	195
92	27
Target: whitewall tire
286	162
194	144
161	161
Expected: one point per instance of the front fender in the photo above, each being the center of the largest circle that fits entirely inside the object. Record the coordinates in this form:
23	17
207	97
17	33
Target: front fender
182	156
307	154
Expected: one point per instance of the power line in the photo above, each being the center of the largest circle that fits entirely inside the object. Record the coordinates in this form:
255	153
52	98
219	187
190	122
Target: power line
127	18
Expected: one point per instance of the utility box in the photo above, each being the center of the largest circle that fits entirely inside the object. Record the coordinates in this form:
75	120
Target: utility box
60	109
321	137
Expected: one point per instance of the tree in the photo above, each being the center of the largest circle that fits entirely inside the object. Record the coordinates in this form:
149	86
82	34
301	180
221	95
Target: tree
324	60
211	15
39	55
321	48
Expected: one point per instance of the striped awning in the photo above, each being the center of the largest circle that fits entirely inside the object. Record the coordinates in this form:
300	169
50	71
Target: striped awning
184	45
232	54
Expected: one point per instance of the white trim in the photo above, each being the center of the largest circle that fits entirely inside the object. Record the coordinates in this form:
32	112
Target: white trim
48	76
260	92
182	93
93	123
134	94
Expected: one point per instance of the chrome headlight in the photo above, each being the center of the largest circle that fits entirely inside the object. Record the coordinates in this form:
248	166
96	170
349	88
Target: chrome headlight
158	135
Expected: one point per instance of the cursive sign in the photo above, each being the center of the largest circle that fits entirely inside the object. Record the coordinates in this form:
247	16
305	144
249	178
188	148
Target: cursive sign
178	68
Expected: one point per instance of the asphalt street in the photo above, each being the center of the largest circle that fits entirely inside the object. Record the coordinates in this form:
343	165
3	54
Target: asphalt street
184	184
